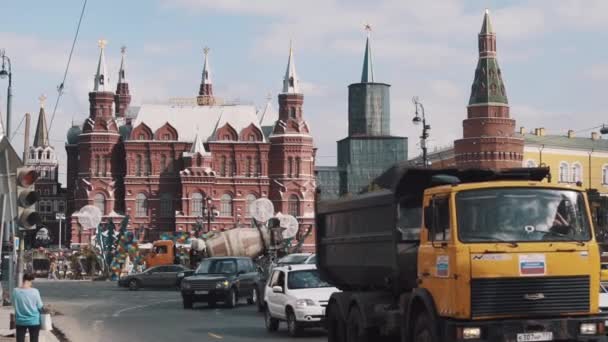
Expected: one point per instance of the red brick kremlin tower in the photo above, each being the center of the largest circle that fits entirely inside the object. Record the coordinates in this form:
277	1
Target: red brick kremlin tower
489	139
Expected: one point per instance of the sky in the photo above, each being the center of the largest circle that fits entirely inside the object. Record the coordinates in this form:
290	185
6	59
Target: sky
552	53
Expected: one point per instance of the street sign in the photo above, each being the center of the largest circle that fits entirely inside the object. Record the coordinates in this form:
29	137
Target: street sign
59	216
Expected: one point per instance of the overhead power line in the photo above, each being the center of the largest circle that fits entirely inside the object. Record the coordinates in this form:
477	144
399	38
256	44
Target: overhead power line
67	67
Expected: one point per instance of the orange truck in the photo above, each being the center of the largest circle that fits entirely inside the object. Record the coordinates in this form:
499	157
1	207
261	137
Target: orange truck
163	253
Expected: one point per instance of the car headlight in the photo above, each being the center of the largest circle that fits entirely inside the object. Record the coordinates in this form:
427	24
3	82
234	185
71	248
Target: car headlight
222	284
588	329
186	285
302	303
181	274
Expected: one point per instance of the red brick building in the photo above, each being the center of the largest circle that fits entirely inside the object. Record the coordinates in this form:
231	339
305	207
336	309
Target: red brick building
164	165
489	139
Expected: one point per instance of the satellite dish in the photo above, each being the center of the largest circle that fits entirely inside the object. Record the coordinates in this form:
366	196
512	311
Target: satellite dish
261	209
290	224
89	216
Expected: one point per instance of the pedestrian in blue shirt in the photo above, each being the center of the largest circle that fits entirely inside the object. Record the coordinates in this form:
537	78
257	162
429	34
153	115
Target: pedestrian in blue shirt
27	303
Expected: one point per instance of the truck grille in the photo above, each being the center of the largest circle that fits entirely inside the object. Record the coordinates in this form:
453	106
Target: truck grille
529	296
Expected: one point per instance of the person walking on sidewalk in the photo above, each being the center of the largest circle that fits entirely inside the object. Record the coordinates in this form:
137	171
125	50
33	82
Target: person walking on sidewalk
53	270
27	303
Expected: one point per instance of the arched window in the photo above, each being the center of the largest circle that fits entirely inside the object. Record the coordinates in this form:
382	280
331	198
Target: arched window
298	166
248	167
138	165
197	204
166	205
226	205
33	155
97	162
293	206
257	166
605	175
251	137
250	198
563	173
292	113
577	173
141	205
289	167
102	160
100	202
163	162
223	166
530	163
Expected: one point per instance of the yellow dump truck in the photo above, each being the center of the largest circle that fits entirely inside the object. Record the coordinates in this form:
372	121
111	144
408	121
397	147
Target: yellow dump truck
450	255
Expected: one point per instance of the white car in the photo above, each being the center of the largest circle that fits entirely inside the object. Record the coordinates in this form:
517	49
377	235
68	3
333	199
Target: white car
604	297
296	294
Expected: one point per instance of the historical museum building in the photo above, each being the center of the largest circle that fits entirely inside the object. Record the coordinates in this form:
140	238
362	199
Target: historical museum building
489	139
170	167
41	156
369	149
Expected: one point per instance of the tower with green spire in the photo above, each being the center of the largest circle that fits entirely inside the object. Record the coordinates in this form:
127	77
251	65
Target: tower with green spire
369	148
489	139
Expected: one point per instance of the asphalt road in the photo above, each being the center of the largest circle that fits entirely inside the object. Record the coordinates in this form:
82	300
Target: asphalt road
100	311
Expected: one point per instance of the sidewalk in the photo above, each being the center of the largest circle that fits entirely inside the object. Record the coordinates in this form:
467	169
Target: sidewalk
5	311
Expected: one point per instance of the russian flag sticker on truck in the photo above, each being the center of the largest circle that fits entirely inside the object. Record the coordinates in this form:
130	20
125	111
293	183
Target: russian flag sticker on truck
532	264
442	266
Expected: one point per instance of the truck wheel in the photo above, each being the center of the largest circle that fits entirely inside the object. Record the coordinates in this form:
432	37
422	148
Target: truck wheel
272	324
335	324
231	298
355	328
293	327
423	329
187	302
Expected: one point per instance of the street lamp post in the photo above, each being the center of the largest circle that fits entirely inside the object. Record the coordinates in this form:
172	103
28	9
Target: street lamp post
59	217
4	73
425	128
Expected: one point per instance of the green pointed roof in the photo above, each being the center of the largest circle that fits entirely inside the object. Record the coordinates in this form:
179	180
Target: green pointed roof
367	75
42	133
486	26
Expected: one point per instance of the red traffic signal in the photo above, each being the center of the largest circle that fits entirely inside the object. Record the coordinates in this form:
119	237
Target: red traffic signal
26	177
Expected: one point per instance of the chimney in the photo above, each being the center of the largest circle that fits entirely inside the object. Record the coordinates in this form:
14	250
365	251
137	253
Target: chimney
595	136
541	131
571	134
522	130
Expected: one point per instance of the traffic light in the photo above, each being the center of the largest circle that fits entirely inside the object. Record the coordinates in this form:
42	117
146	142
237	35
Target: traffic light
27	216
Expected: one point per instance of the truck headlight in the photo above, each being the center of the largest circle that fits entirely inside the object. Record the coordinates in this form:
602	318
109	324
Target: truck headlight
588	329
222	284
302	303
186	285
471	333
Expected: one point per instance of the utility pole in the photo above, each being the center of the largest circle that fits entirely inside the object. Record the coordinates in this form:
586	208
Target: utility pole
26	137
9	97
425	128
60	217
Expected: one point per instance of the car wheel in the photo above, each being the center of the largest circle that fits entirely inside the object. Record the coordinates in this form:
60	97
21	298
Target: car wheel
231	299
187	302
133	285
254	297
272	324
293	327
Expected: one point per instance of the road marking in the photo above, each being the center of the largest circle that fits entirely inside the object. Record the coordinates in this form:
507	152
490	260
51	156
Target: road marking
117	313
215	336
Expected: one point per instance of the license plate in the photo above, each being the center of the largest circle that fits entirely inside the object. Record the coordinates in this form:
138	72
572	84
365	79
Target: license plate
207	292
536	336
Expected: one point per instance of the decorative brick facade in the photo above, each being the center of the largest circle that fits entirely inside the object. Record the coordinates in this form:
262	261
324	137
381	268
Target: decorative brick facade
489	139
171	162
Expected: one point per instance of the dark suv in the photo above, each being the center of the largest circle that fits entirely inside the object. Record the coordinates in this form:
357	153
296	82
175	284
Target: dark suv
224	280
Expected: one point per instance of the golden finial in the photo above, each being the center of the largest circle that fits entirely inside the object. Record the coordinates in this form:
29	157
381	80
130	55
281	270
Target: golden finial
102	43
42	99
367	27
206	50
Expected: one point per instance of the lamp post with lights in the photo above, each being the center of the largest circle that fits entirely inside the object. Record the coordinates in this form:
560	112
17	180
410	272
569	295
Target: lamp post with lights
4	73
425	128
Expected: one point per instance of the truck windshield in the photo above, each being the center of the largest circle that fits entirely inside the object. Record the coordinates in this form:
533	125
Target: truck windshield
308	279
217	266
522	215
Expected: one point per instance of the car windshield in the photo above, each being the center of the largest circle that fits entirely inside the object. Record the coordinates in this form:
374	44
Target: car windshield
306	279
312	260
522	215
293	259
217	266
